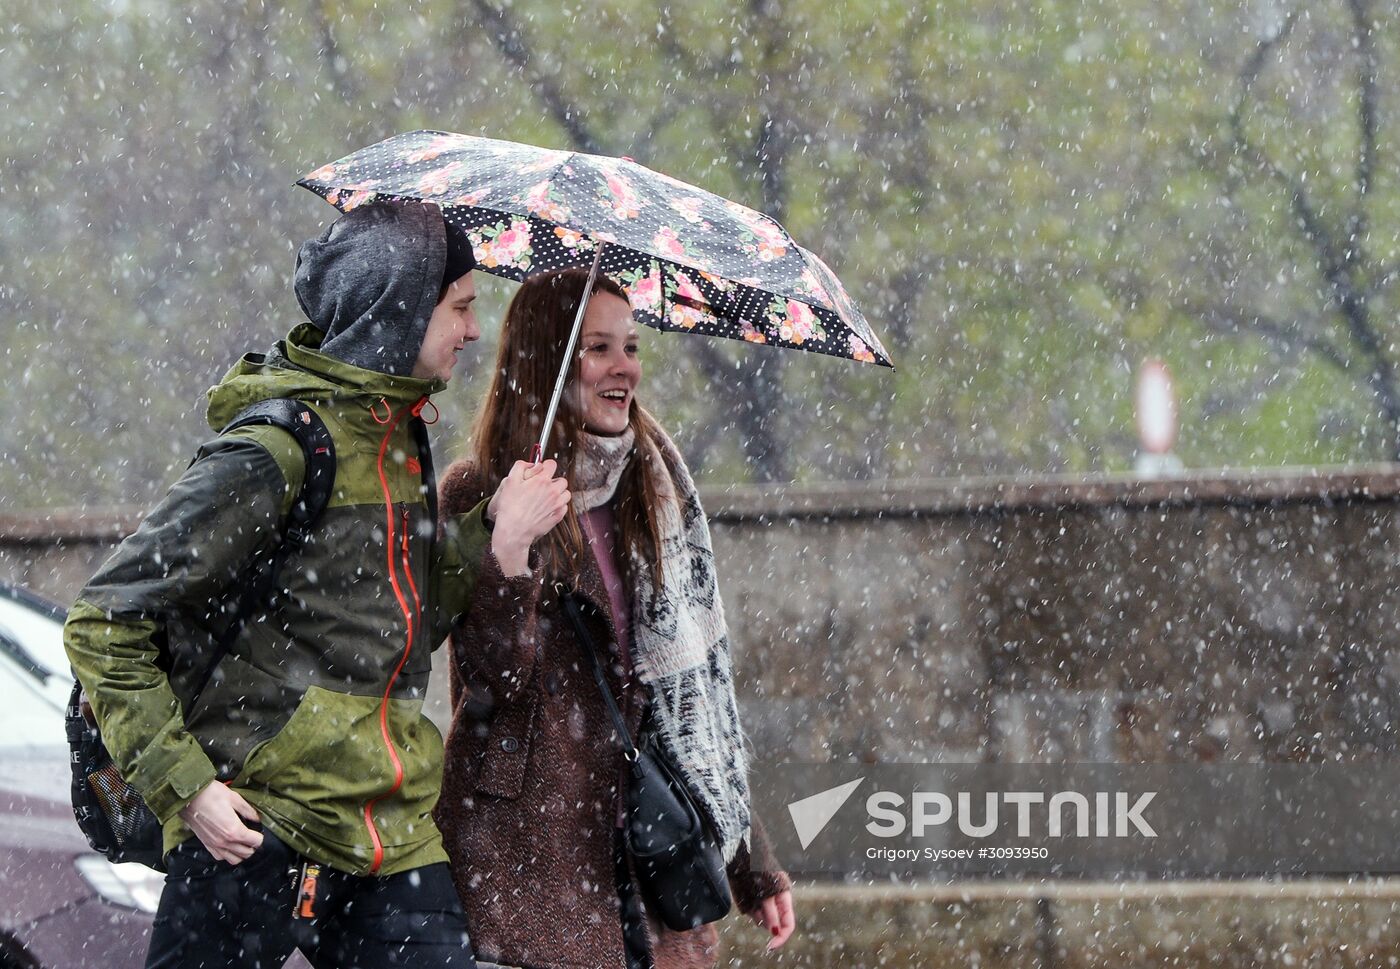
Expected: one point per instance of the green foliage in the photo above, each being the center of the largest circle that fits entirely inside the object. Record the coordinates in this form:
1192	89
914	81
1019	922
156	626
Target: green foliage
1028	198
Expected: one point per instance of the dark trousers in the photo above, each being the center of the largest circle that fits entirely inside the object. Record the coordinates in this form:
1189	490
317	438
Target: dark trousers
214	915
634	916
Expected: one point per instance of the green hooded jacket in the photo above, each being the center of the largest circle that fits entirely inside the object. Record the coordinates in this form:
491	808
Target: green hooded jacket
315	715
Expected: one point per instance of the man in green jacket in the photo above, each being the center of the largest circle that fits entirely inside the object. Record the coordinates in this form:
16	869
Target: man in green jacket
295	792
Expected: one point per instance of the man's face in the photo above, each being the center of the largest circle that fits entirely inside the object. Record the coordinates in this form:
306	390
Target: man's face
451	327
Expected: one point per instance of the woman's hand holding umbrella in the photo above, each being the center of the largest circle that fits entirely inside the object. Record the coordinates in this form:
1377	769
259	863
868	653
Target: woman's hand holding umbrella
528	503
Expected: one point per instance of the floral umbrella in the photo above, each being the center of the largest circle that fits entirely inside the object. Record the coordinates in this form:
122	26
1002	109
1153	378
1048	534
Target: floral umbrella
688	260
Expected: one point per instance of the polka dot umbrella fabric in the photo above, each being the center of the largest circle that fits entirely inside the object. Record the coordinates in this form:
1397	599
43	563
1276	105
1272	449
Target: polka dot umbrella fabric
688	260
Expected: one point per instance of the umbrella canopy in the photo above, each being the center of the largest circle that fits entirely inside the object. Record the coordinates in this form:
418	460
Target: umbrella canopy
689	260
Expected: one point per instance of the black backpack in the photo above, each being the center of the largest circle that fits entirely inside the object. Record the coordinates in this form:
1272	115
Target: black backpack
111	813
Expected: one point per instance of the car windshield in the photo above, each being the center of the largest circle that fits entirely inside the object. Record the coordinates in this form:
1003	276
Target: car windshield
35	679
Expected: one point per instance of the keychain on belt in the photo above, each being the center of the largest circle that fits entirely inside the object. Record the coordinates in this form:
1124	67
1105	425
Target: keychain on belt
305	906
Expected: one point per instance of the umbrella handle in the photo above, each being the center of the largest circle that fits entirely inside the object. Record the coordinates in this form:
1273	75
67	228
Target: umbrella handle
537	450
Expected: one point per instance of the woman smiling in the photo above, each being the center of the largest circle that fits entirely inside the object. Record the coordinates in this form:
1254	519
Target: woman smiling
535	787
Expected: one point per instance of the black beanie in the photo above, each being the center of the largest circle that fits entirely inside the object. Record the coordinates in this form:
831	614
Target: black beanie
460	258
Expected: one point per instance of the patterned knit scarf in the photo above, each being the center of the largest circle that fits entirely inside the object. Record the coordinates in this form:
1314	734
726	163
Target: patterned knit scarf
680	644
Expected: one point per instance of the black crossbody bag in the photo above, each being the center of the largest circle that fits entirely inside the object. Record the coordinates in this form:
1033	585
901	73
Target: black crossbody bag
680	868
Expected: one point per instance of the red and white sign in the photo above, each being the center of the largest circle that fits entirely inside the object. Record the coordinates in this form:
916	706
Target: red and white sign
1156	408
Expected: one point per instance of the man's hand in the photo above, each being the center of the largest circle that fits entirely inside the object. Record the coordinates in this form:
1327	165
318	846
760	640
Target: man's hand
216	817
777	917
529	502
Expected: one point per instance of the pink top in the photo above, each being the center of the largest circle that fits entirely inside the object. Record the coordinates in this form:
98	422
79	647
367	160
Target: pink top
600	529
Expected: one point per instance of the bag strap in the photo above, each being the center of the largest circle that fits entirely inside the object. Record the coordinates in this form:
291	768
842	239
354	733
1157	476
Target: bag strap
425	458
574	612
318	449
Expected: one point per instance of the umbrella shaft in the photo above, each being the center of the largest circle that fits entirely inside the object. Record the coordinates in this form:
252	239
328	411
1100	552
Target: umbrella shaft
537	453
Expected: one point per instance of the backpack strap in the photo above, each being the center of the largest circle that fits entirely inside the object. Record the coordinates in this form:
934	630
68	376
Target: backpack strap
425	458
311	433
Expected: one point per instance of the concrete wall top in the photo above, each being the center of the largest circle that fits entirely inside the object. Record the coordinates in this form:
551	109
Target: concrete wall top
947	497
927	497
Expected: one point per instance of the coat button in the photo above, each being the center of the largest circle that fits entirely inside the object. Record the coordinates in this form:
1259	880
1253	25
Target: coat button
510	745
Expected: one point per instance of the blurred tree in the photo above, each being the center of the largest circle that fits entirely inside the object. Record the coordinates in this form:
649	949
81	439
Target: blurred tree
1013	191
1304	160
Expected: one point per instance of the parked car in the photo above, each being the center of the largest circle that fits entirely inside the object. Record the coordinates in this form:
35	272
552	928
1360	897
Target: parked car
62	906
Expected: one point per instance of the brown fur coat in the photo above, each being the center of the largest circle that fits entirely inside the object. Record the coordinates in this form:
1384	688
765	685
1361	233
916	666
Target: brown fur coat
530	789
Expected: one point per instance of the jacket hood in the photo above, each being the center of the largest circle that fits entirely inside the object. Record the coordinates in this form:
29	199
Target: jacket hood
298	367
371	280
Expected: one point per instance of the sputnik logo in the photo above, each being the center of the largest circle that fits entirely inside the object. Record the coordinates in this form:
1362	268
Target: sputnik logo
811	814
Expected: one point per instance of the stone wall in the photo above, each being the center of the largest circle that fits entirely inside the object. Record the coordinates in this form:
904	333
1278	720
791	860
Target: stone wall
1235	616
1067	620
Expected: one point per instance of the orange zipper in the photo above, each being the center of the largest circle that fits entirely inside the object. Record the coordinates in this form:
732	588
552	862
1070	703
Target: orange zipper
410	618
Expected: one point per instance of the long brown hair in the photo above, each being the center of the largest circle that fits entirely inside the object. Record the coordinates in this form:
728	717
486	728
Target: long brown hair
533	335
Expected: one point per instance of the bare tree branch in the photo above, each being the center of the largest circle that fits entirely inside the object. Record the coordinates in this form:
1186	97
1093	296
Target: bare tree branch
762	375
337	63
695	63
505	32
1349	299
1330	259
700	443
1384	278
758	397
658	122
1366	73
915	167
1292	338
1254	66
1340	267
